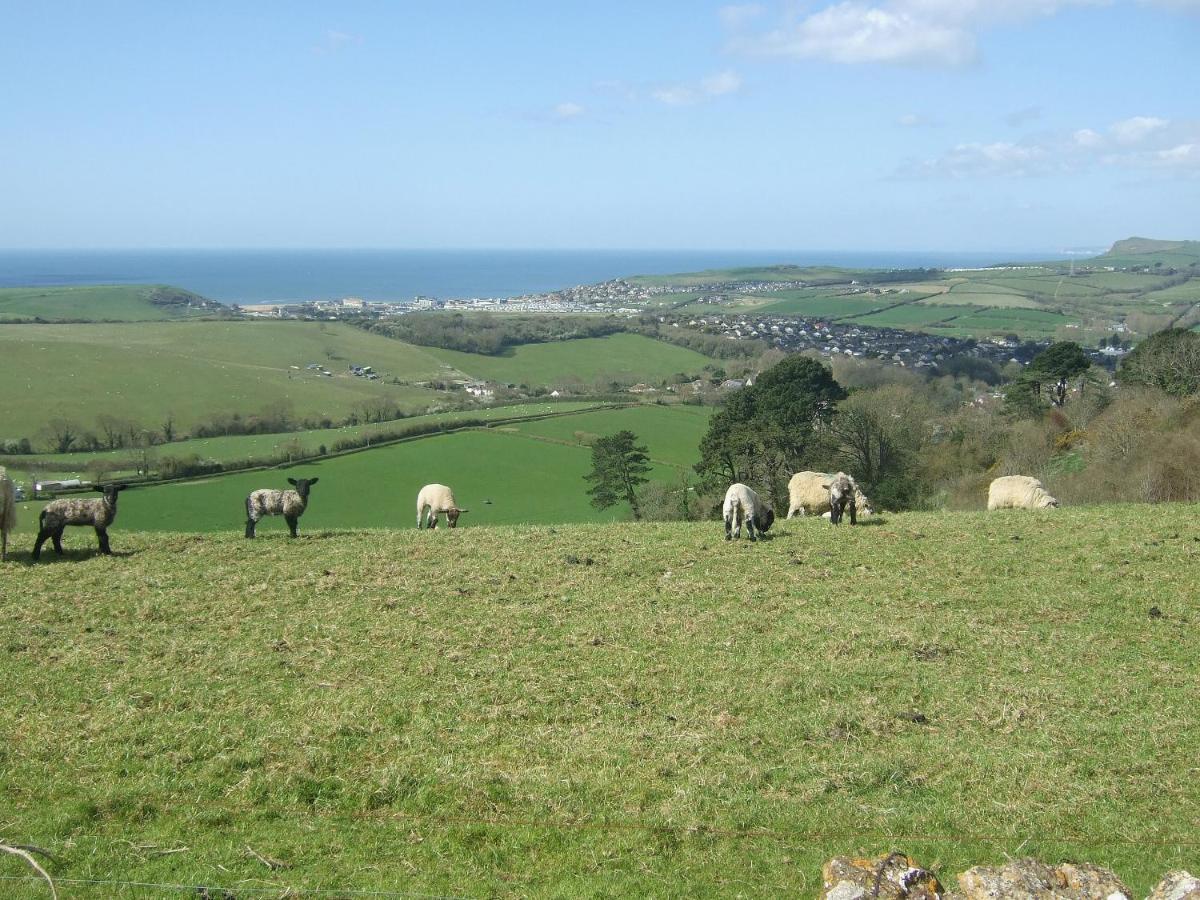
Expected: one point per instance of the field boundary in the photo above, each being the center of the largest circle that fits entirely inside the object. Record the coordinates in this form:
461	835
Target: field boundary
385	442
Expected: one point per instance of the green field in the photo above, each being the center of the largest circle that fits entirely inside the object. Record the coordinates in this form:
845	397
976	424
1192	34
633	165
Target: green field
102	302
913	315
823	303
194	369
616	357
266	446
531	472
603	710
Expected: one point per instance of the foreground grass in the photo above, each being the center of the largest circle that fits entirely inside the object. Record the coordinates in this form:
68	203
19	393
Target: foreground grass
605	710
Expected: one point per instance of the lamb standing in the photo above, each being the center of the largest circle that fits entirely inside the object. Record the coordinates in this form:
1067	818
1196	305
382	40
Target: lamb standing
842	491
8	511
808	495
1019	492
743	505
289	504
432	501
58	514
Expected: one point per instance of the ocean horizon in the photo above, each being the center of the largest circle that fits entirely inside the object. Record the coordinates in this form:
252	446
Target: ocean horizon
266	276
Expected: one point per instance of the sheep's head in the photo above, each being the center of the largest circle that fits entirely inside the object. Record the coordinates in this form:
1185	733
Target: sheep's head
452	515
1047	502
303	485
110	491
764	520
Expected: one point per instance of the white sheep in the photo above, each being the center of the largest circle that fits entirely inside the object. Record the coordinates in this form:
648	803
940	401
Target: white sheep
808	495
58	514
1019	492
289	504
432	501
743	505
8	511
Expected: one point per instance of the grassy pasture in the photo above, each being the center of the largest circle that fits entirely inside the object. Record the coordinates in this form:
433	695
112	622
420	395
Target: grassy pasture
532	472
106	302
620	356
1189	292
983	297
262	446
672	434
823	303
913	315
482	713
193	369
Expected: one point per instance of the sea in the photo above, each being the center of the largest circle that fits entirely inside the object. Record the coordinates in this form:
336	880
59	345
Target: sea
267	276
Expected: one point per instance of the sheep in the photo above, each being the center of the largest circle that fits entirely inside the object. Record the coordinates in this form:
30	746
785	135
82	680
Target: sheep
58	514
1019	492
743	505
432	501
289	504
808	495
8	511
842	491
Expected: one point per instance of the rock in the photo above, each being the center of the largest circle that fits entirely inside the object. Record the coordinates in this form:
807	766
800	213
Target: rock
1176	886
848	878
1029	879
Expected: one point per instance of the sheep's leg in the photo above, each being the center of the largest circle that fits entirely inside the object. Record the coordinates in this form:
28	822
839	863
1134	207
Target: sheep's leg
792	511
853	513
102	537
291	523
57	538
41	539
250	523
750	527
729	527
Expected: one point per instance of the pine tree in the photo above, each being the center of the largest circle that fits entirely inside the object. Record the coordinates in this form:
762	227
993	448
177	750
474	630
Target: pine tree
619	466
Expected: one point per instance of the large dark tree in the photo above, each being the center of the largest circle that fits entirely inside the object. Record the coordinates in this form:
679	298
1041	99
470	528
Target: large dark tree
619	466
1058	364
773	428
1049	371
1169	361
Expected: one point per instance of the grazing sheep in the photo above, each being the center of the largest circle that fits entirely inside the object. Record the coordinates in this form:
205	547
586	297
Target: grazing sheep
58	514
743	505
432	501
8	511
289	504
808	495
1019	492
842	491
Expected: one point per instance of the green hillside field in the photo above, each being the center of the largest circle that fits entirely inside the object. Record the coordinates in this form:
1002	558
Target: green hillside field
618	356
531	472
601	710
105	303
264	446
194	369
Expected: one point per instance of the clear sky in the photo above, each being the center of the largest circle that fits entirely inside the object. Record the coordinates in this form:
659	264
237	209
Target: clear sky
883	124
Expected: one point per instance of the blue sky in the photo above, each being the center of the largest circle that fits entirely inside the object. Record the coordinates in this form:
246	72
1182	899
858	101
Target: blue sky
882	124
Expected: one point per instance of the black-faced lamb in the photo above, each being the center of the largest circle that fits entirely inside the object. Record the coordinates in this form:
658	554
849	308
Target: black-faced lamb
58	514
434	500
742	504
8	511
808	495
842	490
289	504
1019	492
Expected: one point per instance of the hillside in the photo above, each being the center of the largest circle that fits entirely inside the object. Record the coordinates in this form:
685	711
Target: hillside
519	473
106	303
143	371
604	710
1138	251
